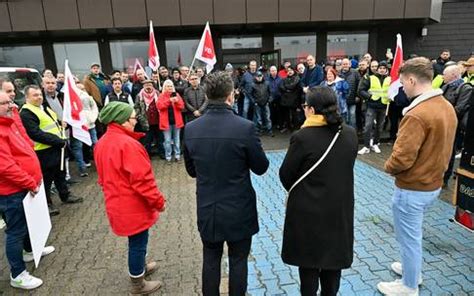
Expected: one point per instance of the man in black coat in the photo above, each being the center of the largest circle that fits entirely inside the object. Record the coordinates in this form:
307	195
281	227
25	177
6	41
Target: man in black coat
352	77
444	57
48	145
220	149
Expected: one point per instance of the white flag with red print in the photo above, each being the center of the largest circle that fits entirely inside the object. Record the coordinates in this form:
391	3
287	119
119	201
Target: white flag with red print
205	51
136	67
394	75
153	57
72	110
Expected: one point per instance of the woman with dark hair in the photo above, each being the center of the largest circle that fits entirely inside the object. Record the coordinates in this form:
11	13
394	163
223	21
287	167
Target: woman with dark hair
318	173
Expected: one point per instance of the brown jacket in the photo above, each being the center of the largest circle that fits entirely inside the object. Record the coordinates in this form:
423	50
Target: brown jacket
424	144
93	90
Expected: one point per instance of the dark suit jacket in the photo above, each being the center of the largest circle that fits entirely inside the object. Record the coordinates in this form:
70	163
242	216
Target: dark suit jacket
220	149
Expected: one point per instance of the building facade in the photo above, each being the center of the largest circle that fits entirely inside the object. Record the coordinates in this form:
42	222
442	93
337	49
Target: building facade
43	33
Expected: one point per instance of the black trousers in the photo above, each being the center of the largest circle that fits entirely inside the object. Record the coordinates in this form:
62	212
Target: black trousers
310	277
54	174
395	116
238	269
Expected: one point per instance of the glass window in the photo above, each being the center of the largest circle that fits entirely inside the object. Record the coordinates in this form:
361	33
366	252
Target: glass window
22	56
295	49
347	45
80	55
181	52
237	42
124	54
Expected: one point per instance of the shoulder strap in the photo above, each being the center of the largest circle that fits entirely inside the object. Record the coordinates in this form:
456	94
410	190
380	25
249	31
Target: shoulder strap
318	162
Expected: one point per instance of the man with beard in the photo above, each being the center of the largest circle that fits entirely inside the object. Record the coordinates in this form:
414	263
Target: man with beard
444	57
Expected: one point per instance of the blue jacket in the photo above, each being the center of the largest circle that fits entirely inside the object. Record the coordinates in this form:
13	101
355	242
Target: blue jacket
314	78
246	84
220	150
274	87
341	88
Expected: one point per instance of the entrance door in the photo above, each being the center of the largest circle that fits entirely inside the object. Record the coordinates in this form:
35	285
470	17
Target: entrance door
270	58
239	59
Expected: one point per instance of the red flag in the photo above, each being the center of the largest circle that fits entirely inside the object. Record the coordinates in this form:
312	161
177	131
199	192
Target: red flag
394	75
153	57
136	67
205	51
72	109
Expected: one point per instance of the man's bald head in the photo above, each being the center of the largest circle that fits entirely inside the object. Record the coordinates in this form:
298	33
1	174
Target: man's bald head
49	85
345	65
451	73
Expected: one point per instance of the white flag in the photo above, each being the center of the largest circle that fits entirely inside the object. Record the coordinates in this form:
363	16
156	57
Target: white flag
72	109
205	51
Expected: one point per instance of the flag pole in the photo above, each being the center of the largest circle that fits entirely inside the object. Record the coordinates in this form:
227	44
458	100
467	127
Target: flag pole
62	150
192	64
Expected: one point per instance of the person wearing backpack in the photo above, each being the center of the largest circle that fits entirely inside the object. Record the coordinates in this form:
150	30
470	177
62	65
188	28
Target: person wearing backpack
458	93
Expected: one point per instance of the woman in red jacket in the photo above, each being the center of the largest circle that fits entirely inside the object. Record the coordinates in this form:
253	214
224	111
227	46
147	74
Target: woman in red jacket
170	105
132	199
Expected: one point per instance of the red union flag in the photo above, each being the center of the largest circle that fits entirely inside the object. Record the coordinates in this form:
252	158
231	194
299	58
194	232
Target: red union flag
205	51
72	109
137	67
394	75
153	57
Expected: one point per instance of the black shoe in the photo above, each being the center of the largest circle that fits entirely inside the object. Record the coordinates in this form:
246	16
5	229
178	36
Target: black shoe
53	211
71	181
73	199
270	134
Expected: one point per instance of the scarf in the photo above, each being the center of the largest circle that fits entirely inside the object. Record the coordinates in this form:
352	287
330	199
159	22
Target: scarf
148	98
314	120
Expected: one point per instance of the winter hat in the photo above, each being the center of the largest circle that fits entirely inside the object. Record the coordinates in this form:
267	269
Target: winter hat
354	64
228	67
118	112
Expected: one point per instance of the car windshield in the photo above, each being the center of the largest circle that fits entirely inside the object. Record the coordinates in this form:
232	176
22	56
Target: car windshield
21	79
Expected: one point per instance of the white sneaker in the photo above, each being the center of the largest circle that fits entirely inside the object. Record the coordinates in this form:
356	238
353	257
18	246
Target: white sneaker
2	223
376	148
363	151
396	288
458	156
398	269
25	281
28	257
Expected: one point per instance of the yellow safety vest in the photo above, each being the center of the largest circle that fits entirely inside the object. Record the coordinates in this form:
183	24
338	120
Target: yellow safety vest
379	91
469	79
437	81
48	124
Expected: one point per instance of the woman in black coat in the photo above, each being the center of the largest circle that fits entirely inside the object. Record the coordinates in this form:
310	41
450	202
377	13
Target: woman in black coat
319	224
290	90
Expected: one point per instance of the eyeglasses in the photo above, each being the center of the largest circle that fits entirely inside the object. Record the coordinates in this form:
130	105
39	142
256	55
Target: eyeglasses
304	105
7	103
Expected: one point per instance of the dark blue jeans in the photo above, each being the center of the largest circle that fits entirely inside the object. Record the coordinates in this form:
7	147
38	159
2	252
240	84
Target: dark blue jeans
11	208
136	253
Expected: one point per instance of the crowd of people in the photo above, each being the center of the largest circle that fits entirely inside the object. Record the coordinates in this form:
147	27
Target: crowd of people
165	113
